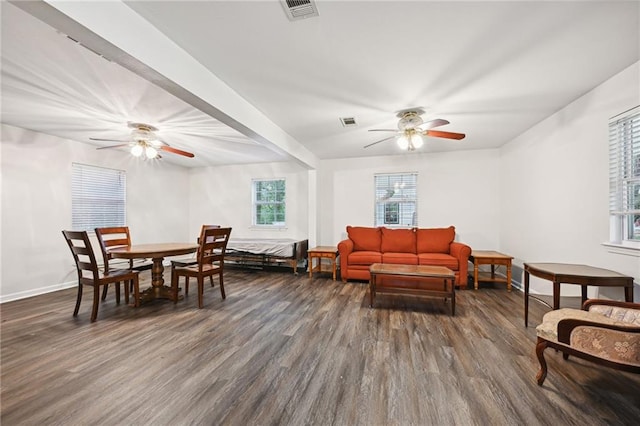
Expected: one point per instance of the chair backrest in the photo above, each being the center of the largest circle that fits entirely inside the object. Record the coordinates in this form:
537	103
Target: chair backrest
82	252
213	245
112	237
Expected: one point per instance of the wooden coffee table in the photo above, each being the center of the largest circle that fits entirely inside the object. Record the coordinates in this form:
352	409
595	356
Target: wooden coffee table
493	258
416	274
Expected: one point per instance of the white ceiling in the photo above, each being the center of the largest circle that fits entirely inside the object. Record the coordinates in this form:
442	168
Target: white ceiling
493	69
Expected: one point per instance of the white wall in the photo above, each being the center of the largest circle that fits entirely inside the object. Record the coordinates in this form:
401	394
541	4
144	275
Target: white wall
222	196
454	188
554	186
36	206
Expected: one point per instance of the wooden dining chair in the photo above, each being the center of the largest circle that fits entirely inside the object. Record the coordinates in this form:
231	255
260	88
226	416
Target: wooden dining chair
210	261
190	262
89	273
113	237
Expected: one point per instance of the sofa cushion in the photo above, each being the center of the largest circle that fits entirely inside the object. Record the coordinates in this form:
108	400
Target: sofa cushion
367	239
401	258
438	259
434	240
398	240
364	257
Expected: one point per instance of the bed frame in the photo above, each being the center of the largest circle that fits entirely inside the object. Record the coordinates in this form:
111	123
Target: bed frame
260	260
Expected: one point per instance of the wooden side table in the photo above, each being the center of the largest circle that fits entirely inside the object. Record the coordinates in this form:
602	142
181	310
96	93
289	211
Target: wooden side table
493	258
322	252
569	273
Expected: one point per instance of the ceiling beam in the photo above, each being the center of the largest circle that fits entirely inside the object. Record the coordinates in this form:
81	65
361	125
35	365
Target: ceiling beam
118	33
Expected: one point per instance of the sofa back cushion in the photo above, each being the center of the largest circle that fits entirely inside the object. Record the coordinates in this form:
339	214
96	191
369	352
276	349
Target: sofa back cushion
434	240
398	240
364	238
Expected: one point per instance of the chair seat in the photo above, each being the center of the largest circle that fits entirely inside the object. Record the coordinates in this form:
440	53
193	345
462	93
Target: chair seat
548	329
194	269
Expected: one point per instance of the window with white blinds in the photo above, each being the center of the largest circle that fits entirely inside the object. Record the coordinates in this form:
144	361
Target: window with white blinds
624	176
98	197
396	199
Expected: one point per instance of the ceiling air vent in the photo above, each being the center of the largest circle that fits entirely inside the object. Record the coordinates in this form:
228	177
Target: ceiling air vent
299	9
348	121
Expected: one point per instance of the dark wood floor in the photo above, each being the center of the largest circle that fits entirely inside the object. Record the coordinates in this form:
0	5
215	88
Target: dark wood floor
289	351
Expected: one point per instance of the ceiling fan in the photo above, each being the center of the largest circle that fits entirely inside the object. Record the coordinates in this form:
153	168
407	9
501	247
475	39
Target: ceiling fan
144	141
412	128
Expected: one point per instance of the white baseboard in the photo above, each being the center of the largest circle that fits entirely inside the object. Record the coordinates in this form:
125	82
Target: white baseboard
37	291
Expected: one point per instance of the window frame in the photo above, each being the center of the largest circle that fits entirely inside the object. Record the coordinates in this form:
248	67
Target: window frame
255	203
97	192
624	179
402	204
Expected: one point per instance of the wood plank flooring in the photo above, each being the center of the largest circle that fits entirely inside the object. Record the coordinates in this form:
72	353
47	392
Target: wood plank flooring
285	350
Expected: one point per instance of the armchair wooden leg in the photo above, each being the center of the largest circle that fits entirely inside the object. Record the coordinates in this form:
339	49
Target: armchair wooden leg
174	286
127	284
542	374
118	291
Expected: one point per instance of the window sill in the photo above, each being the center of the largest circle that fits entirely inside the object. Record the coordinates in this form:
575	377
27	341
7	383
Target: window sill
625	248
268	228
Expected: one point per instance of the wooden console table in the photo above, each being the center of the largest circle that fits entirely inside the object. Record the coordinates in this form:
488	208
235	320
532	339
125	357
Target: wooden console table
566	273
322	252
417	274
493	258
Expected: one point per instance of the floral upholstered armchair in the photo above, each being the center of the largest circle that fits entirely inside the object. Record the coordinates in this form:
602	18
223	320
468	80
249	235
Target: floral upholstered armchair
604	331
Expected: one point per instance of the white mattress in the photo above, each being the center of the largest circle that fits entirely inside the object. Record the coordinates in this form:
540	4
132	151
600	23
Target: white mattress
271	247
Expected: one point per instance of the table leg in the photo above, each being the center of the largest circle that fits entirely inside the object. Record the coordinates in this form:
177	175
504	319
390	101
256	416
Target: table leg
157	290
584	295
310	266
372	287
556	295
509	276
526	298
333	264
453	297
475	274
493	271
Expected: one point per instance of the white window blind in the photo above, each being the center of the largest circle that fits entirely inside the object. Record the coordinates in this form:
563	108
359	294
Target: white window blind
624	175
97	197
396	199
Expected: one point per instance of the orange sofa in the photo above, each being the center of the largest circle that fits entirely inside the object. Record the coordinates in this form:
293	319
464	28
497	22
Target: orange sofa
418	246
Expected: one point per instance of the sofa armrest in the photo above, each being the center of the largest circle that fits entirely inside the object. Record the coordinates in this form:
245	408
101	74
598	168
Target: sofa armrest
345	247
461	252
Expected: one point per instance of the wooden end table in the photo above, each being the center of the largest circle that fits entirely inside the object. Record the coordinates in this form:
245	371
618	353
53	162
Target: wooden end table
322	252
493	258
567	273
413	273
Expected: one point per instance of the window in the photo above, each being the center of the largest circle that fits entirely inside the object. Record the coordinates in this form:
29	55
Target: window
396	199
97	197
624	177
269	202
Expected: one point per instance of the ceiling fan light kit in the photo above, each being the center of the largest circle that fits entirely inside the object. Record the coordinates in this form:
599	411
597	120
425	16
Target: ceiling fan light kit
143	140
412	129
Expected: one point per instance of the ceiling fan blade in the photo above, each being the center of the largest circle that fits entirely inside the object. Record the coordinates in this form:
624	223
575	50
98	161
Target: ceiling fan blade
433	123
383	130
176	151
441	134
113	146
377	142
108	140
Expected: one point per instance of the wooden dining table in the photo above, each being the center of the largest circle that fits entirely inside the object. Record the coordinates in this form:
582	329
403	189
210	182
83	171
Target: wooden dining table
157	252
